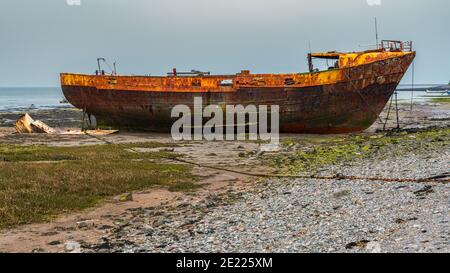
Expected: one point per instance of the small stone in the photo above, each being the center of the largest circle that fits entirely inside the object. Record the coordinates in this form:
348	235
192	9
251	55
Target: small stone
54	243
160	221
424	191
183	205
240	228
126	197
339	176
340	194
38	250
103	227
373	247
87	224
360	244
50	233
72	247
149	232
102	246
358	201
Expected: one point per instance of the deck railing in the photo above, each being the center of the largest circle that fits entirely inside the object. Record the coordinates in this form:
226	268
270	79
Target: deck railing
391	45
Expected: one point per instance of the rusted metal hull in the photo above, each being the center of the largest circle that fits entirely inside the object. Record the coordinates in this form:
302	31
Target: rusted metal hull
339	101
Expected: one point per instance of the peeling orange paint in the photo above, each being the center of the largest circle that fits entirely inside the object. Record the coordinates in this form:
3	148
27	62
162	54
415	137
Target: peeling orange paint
240	80
346	98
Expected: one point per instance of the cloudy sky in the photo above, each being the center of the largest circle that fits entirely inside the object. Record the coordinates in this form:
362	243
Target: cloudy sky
40	39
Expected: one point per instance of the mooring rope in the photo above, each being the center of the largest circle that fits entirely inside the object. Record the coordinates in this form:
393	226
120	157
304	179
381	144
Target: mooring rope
412	88
388	113
396	109
432	179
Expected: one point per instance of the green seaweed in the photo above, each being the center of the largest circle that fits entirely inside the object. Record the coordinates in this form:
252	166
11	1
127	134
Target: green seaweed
311	155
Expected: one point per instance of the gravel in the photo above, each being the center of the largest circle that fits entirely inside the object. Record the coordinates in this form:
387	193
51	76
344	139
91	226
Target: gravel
298	215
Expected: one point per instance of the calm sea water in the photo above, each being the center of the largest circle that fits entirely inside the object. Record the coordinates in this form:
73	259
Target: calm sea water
24	98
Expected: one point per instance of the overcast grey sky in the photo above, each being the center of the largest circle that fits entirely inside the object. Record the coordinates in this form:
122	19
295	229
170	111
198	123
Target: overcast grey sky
41	38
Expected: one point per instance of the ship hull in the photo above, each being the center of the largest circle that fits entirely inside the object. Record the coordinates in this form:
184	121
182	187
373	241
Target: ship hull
352	103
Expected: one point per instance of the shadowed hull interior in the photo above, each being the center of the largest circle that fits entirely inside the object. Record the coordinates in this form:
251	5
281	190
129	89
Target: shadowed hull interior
347	105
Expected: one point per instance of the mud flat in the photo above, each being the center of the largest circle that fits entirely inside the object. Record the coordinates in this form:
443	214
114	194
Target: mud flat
233	210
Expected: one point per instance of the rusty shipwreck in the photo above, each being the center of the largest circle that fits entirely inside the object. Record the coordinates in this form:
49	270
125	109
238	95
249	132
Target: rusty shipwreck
347	97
